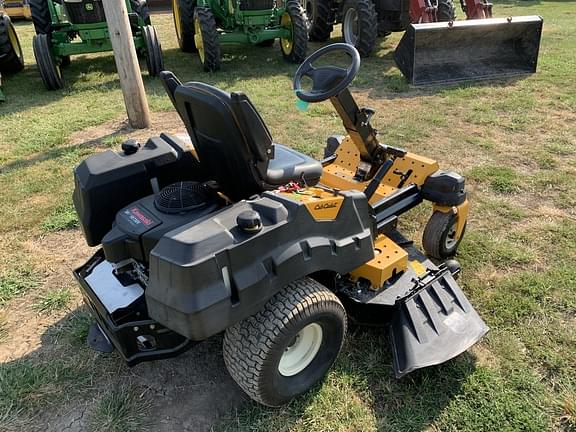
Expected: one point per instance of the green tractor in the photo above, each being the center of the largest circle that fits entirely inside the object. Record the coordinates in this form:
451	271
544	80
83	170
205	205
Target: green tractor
11	57
70	27
203	25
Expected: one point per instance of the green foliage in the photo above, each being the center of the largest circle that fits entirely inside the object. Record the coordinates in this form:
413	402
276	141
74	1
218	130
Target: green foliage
62	217
15	282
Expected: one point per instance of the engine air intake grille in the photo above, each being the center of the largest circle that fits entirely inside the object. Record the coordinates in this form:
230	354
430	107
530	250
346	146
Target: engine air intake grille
184	196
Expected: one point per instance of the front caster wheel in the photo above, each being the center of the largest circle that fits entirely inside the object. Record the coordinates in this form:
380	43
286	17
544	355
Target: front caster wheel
439	238
287	347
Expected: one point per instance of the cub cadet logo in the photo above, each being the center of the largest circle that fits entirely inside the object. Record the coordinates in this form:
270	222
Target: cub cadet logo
326	205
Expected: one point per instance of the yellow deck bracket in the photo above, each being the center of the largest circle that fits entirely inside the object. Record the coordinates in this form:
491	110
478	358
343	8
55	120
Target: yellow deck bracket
389	260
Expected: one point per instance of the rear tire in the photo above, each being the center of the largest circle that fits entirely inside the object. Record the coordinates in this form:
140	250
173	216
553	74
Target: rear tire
319	13
439	239
154	58
294	17
47	66
11	56
183	14
41	16
360	25
287	347
206	39
446	11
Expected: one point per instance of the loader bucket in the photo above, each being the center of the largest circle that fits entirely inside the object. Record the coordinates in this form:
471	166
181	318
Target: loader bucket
437	53
433	325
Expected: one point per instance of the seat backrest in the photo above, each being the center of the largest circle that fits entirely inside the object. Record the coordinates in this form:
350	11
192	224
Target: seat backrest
230	137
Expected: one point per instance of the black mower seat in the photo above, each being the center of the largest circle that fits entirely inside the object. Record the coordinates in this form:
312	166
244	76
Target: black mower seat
233	143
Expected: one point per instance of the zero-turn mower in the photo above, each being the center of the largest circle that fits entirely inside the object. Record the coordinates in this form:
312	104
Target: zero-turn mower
203	25
70	27
434	48
238	234
11	56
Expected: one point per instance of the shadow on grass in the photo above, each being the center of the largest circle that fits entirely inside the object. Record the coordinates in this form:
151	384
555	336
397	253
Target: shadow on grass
55	153
63	384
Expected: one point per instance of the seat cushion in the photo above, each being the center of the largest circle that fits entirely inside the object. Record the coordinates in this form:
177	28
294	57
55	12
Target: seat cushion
289	165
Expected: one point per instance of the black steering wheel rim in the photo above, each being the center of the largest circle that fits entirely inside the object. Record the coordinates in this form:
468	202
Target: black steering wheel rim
340	77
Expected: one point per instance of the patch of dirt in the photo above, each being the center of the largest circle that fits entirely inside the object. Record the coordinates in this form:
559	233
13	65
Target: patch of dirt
168	122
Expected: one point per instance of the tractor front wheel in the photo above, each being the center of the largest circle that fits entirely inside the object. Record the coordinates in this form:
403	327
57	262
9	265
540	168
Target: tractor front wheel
446	11
439	238
294	49
319	16
287	347
48	67
154	58
360	25
183	14
206	39
11	57
41	16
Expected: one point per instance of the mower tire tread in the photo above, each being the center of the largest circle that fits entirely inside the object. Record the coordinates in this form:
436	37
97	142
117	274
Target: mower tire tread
209	33
434	236
41	16
154	58
11	57
299	32
367	24
249	345
49	69
321	25
446	11
186	38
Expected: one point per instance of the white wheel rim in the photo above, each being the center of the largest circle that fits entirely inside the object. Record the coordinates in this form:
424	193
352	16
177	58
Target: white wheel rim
350	27
451	237
302	350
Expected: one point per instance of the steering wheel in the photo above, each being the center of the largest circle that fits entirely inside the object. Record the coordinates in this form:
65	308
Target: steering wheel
327	81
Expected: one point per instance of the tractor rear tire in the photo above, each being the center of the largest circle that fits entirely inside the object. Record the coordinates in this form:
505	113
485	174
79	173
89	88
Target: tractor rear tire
318	13
294	50
183	14
360	25
206	39
11	56
47	66
287	347
439	239
446	11
154	58
41	16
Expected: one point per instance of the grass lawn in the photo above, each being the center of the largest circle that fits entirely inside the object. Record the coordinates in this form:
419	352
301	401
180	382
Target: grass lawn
513	139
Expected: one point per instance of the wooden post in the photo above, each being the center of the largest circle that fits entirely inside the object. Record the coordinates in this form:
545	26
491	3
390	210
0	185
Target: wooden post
127	63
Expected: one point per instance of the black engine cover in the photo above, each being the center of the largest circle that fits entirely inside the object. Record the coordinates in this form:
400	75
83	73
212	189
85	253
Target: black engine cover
108	181
139	226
